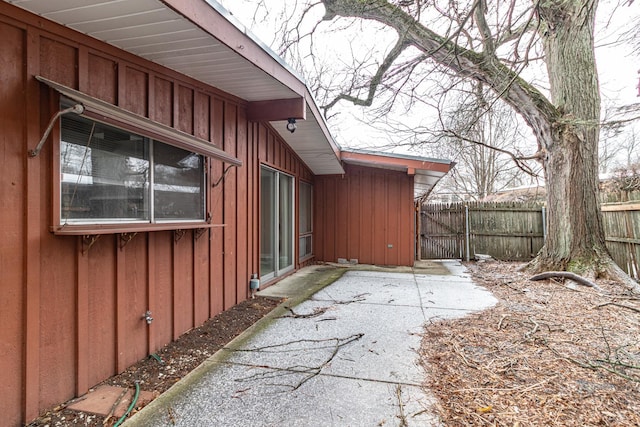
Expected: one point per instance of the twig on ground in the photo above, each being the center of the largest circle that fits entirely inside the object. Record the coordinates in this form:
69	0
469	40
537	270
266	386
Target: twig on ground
401	415
601	364
459	352
528	335
628	307
504	316
508	285
318	311
310	371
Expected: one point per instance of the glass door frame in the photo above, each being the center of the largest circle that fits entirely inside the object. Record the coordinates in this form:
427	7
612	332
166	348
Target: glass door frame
276	225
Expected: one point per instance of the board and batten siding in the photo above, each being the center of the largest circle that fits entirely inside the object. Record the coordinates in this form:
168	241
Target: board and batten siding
71	307
367	214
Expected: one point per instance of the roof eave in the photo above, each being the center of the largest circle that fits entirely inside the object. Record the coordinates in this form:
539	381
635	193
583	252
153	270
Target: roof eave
426	172
216	21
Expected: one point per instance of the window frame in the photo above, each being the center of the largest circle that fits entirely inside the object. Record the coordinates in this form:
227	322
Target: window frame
150	151
308	234
277	225
115	225
108	114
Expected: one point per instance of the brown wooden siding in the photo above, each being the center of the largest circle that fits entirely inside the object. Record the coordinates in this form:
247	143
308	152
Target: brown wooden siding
71	308
366	214
12	244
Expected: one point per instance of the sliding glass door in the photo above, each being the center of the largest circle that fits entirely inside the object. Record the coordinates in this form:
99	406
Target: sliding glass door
276	223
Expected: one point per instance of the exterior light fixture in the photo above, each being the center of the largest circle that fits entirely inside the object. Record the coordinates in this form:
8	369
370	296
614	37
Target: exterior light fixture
291	125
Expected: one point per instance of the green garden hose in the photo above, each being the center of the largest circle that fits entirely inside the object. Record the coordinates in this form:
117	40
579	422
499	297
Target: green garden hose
131	406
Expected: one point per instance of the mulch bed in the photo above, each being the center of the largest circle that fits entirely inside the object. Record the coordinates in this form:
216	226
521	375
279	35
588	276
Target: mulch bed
545	355
160	371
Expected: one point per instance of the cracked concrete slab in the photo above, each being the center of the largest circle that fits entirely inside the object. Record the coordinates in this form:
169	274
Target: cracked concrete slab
344	356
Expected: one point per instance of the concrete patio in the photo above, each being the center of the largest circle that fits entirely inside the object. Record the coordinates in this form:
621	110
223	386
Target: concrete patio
335	353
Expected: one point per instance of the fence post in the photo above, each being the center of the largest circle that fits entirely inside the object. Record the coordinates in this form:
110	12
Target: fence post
417	248
466	234
544	225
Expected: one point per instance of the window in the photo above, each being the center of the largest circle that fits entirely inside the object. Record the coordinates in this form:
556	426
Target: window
306	220
112	176
276	223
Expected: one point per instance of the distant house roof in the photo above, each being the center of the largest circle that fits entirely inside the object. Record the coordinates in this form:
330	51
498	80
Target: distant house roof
426	171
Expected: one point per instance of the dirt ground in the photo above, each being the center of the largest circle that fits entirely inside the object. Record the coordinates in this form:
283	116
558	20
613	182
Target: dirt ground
163	369
545	355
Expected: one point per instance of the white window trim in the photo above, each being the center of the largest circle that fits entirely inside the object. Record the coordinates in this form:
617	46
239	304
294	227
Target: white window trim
100	225
281	271
309	233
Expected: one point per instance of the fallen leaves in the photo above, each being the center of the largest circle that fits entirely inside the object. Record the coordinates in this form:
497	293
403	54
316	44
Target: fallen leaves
544	356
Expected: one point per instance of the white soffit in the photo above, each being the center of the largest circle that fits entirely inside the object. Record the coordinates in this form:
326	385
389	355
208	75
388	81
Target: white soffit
424	181
152	30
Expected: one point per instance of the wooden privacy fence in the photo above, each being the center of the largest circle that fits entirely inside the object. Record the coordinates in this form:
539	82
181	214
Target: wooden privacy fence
621	223
514	231
507	231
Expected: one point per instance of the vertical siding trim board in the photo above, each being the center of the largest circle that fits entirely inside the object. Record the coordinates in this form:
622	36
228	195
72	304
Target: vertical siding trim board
242	215
151	289
83	69
175	105
250	204
33	233
216	207
229	184
82	324
174	287
120	304
151	93
121	84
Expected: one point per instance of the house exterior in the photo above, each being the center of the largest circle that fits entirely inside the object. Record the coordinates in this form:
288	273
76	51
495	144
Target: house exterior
148	173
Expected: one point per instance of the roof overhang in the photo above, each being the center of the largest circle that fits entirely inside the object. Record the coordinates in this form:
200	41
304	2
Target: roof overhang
426	172
201	39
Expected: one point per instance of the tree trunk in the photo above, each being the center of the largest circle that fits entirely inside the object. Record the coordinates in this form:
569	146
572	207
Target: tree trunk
575	235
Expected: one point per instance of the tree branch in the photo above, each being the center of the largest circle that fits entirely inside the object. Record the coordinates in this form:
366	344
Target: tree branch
534	107
399	47
485	32
517	159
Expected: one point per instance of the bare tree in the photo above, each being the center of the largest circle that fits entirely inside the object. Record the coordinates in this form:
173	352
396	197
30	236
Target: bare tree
485	136
629	149
565	124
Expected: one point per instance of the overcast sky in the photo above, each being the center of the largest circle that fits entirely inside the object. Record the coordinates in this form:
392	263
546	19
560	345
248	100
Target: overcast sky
618	66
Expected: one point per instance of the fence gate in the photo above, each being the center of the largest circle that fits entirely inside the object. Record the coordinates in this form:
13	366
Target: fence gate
442	231
509	231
